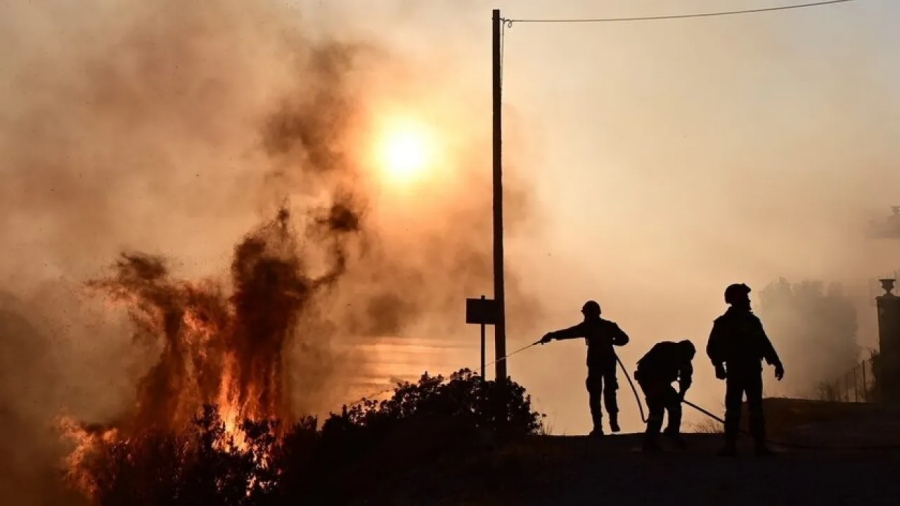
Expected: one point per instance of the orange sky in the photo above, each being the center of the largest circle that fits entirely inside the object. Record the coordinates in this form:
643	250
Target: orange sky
665	160
672	158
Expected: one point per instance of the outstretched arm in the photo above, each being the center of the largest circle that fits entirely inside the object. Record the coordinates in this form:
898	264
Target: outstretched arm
569	333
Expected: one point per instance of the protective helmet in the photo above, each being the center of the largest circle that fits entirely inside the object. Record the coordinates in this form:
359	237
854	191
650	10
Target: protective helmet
735	292
686	344
591	308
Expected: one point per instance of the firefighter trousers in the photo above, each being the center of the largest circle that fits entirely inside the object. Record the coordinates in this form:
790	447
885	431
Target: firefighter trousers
602	382
661	398
738	384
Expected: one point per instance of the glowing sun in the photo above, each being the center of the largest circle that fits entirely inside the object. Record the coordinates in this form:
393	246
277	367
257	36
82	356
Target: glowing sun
405	150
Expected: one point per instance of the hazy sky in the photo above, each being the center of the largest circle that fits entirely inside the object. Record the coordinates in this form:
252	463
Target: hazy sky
671	158
667	159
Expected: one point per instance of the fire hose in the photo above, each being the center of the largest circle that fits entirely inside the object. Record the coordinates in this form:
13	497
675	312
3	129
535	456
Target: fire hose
391	388
637	399
640	405
513	353
701	410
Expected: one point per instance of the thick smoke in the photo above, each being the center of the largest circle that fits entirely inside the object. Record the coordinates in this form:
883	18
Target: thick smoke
822	325
227	350
169	129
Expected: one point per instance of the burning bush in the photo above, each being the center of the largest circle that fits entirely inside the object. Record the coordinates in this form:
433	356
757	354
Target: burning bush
213	421
355	455
215	349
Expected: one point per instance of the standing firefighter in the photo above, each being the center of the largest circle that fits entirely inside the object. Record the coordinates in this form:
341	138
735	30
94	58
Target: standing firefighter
737	345
665	363
600	336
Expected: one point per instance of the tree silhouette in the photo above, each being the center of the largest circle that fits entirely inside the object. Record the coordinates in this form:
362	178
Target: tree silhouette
813	329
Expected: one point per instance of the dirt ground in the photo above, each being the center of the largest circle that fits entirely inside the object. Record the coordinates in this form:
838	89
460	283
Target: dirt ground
578	470
848	454
697	477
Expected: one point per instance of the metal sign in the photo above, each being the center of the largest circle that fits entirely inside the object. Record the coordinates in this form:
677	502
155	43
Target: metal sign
481	311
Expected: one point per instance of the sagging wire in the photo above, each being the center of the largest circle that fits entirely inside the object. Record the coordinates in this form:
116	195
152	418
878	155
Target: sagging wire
676	16
507	23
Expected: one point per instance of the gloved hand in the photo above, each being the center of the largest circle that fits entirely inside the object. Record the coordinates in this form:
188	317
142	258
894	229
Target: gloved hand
779	371
720	372
546	339
681	396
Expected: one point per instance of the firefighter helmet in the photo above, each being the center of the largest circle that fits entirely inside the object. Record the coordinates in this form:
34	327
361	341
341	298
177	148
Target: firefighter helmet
735	292
591	308
686	344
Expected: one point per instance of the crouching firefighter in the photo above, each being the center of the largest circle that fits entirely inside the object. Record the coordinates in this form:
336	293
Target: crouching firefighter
737	346
600	336
665	363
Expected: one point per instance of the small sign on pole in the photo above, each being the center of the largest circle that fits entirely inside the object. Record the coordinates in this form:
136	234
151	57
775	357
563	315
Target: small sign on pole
481	312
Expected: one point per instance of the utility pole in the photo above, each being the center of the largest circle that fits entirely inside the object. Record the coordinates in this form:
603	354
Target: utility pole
499	292
483	345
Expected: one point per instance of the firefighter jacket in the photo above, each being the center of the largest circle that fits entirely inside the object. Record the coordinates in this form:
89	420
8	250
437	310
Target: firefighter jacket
666	362
739	341
600	336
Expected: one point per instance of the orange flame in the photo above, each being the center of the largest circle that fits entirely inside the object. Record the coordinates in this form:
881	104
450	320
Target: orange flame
225	351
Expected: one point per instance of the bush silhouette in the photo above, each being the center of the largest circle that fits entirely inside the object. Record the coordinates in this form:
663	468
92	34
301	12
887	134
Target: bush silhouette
358	454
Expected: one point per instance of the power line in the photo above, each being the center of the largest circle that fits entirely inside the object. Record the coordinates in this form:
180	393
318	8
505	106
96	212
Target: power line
509	22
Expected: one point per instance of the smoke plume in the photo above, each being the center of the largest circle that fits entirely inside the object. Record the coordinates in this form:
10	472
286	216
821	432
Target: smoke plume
149	139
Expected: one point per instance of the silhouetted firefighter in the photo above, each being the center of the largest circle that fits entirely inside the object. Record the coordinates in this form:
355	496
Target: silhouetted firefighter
600	336
665	363
737	345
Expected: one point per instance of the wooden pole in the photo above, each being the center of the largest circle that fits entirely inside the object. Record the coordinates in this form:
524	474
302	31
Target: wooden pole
499	293
483	346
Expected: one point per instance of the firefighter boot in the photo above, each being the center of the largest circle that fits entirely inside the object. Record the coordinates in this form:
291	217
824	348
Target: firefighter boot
614	422
597	419
651	436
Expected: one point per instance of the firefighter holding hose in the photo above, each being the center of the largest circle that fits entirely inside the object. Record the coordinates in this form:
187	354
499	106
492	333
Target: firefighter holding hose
664	364
600	336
